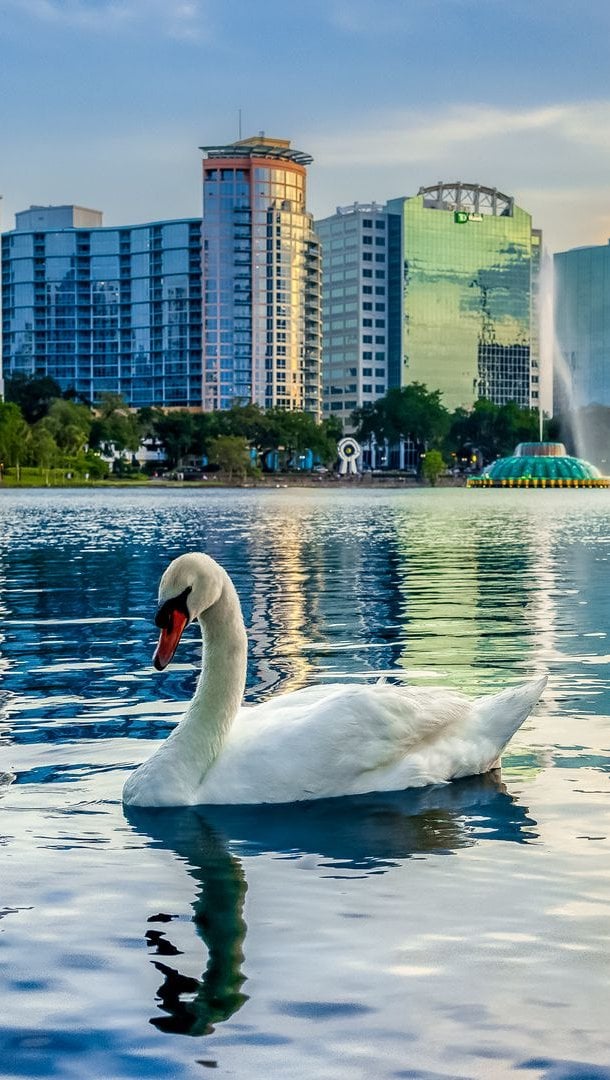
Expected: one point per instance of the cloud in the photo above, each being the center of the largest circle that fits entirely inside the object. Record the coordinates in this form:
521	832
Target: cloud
183	19
419	136
553	158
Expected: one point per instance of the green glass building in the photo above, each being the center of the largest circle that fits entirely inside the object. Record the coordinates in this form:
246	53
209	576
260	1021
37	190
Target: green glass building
467	295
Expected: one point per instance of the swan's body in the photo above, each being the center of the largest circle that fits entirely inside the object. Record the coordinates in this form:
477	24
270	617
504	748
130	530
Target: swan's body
314	743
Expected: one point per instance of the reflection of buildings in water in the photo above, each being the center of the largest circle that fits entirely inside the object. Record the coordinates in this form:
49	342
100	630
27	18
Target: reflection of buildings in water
3	614
476	597
437	582
370	833
318	596
5	695
547	583
284	605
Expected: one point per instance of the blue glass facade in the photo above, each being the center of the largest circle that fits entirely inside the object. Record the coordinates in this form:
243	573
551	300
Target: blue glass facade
582	328
107	310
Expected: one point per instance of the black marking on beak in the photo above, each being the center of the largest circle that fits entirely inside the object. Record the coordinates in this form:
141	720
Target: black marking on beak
175	603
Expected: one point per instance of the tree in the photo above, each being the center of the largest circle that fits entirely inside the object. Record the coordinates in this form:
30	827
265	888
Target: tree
115	425
409	412
14	435
231	454
494	430
433	466
34	394
175	432
44	450
69	424
295	431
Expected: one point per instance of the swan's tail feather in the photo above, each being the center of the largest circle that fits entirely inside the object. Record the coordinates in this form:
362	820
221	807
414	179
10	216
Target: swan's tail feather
501	715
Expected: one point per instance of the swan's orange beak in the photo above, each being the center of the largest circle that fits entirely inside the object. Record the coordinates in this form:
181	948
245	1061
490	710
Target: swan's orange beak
168	639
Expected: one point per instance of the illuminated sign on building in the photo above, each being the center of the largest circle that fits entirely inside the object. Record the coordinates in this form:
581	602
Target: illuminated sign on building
461	217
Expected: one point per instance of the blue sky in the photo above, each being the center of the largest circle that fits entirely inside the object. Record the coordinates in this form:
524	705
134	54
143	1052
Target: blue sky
104	102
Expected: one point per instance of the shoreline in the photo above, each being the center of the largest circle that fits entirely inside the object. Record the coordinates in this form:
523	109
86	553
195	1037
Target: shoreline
271	483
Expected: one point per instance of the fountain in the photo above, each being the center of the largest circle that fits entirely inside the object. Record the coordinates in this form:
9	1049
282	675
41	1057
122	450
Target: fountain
540	464
547	464
557	375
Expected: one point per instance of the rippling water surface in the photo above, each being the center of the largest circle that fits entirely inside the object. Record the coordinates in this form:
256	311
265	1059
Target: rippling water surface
459	932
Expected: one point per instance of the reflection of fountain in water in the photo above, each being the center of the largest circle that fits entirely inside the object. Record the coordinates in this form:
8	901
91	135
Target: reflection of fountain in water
557	390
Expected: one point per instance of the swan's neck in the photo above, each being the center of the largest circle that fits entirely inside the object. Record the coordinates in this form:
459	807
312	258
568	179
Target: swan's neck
220	688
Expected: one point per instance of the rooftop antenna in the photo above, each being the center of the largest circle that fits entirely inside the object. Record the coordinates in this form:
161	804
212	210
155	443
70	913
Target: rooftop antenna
239	124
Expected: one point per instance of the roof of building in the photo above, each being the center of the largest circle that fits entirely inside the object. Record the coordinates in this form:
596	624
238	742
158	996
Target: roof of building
473	198
258	146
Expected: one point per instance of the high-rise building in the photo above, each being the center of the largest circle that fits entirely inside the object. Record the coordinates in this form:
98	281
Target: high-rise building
104	309
469	266
262	278
582	327
360	317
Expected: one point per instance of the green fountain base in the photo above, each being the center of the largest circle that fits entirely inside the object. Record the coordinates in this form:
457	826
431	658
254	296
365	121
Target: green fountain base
540	465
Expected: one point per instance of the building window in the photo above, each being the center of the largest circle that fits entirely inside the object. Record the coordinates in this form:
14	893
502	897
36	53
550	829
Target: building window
379	372
367	322
380	290
367	289
380	223
367	306
380	389
367	256
367	371
367	339
367	273
367	223
380	257
380	273
367	388
367	239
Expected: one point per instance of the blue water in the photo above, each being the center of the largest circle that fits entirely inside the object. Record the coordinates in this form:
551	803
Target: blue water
459	932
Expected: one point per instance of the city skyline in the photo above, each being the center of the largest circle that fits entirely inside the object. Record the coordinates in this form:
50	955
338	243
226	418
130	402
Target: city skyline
386	102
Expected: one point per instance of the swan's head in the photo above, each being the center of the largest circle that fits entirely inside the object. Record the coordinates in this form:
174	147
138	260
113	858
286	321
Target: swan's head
190	585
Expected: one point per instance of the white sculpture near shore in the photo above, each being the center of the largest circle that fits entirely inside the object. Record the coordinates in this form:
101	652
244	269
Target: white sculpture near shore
349	451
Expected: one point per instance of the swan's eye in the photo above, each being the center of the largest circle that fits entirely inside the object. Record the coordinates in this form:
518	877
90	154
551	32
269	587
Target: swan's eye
163	617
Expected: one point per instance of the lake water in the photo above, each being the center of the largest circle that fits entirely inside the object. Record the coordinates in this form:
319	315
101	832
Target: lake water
457	932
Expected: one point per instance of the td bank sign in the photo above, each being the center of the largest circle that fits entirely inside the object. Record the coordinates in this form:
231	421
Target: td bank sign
461	217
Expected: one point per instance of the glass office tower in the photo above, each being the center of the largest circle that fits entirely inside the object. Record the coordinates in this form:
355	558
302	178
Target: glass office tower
469	266
104	309
582	327
262	278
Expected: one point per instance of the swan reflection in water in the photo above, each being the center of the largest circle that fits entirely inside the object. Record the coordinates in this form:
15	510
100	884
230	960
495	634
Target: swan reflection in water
370	833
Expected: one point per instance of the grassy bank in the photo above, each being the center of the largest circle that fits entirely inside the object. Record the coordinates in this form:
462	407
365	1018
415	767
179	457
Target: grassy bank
57	478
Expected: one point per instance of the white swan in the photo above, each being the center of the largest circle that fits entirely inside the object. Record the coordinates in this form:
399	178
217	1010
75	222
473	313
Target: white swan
314	743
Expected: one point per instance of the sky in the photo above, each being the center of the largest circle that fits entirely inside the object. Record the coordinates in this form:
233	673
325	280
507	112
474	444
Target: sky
104	103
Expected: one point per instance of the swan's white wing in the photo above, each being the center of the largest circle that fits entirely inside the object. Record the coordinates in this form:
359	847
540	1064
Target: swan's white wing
326	741
290	706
